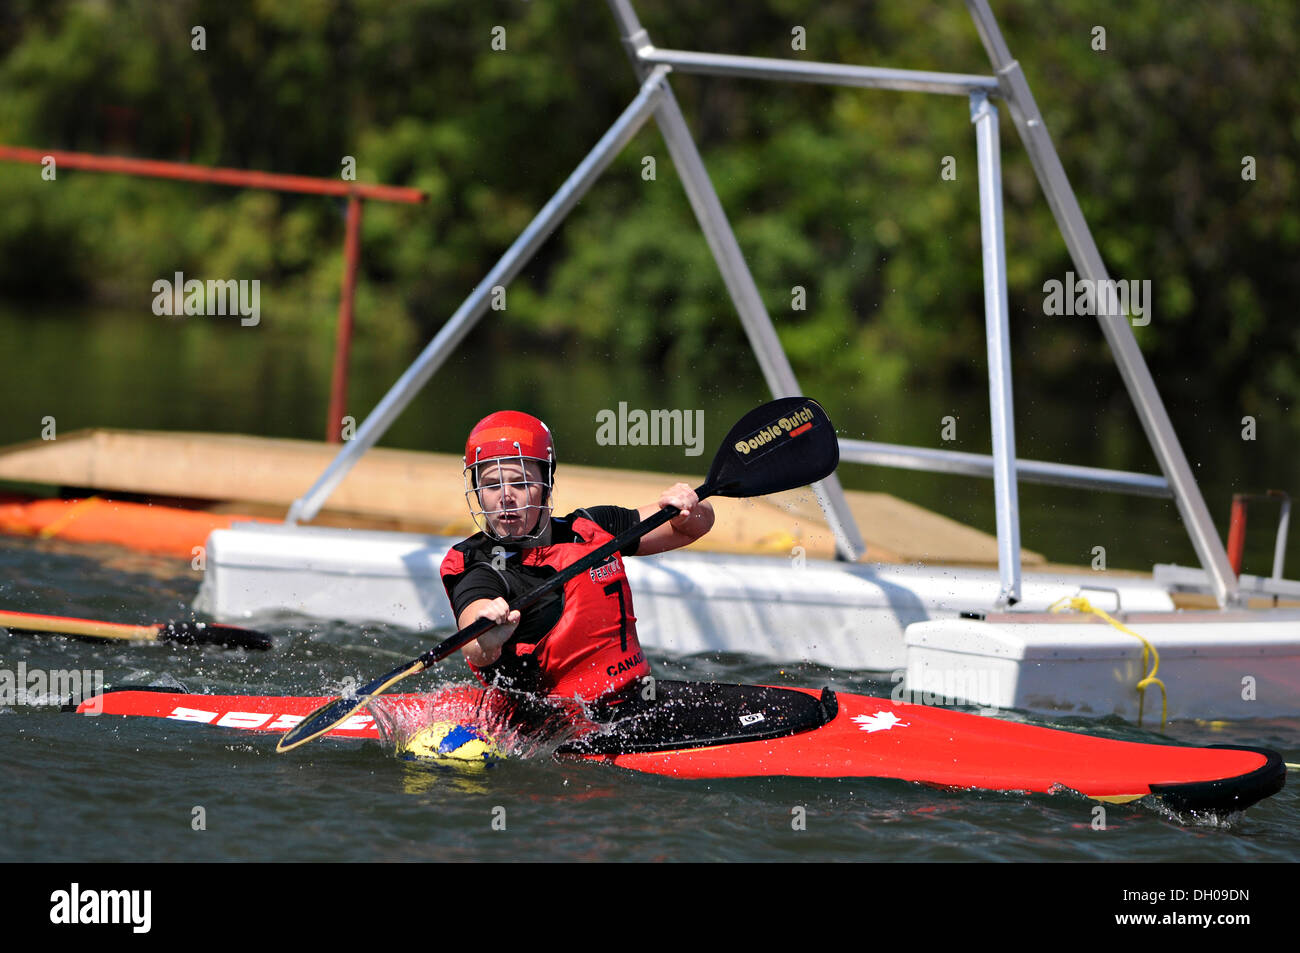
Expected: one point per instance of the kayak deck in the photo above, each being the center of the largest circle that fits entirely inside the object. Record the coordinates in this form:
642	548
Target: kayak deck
877	738
729	731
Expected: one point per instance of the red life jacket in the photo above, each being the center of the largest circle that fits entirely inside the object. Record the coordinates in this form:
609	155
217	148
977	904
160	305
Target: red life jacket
592	650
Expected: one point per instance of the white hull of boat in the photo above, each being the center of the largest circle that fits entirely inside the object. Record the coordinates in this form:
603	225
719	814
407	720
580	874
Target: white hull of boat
835	614
1218	665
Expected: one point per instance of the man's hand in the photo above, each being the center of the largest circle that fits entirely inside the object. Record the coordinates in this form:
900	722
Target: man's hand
694	520
486	649
683	497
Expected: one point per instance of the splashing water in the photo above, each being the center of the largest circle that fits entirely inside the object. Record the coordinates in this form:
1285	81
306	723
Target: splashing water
522	725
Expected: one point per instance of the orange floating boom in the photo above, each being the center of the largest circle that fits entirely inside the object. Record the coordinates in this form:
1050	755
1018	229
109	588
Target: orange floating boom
148	528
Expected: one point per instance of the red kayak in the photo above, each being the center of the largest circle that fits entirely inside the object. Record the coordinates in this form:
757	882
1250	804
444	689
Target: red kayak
697	730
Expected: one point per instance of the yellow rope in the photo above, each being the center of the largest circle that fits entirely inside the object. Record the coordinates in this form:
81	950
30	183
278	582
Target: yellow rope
1080	604
71	514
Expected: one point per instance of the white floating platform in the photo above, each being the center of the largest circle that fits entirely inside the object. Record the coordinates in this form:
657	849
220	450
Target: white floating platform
842	615
1230	664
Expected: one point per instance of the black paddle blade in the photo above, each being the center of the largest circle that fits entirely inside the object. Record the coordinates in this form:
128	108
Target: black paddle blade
212	633
787	443
320	722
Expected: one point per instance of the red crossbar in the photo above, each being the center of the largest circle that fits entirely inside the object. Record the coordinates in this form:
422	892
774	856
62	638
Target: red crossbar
183	171
355	192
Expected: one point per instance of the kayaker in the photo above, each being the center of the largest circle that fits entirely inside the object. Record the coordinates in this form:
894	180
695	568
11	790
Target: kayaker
580	643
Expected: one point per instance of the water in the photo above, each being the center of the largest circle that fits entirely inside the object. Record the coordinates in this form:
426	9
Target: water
109	789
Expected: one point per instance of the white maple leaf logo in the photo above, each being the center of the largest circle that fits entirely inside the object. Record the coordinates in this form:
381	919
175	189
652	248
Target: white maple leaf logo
880	721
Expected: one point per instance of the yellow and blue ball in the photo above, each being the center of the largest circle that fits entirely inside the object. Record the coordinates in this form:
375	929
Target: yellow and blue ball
450	741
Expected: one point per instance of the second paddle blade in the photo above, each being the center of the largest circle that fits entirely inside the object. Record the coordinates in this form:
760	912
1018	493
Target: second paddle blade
212	633
787	443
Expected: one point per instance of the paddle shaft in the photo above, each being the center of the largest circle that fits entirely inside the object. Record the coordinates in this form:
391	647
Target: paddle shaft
27	622
777	446
595	557
327	716
181	632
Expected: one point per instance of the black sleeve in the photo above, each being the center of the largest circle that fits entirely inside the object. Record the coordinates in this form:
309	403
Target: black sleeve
479	582
616	520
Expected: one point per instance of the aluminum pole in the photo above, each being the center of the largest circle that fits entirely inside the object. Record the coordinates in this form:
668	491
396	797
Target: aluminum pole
830	74
539	229
931	460
998	339
1279	547
735	272
1119	335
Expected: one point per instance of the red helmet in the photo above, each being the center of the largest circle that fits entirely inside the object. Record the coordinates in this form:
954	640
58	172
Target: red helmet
508	433
502	437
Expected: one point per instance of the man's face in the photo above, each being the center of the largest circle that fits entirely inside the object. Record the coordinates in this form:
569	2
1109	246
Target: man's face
511	496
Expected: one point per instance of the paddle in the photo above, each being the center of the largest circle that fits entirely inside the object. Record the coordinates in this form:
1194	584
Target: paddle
181	632
783	444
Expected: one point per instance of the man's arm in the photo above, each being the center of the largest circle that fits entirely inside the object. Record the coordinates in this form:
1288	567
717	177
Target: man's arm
694	520
481	592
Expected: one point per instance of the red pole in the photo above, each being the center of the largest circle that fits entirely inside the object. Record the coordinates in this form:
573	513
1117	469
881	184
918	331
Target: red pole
1237	532
343	342
245	178
215	175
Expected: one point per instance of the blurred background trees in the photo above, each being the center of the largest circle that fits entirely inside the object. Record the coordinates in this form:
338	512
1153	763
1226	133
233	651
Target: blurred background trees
834	190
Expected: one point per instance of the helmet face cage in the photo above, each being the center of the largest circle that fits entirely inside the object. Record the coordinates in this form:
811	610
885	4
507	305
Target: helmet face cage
486	472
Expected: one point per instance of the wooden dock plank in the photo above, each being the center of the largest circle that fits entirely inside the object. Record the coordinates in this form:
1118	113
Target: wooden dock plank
412	490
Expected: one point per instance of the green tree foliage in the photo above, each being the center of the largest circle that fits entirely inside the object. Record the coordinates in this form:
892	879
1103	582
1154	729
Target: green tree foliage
837	191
